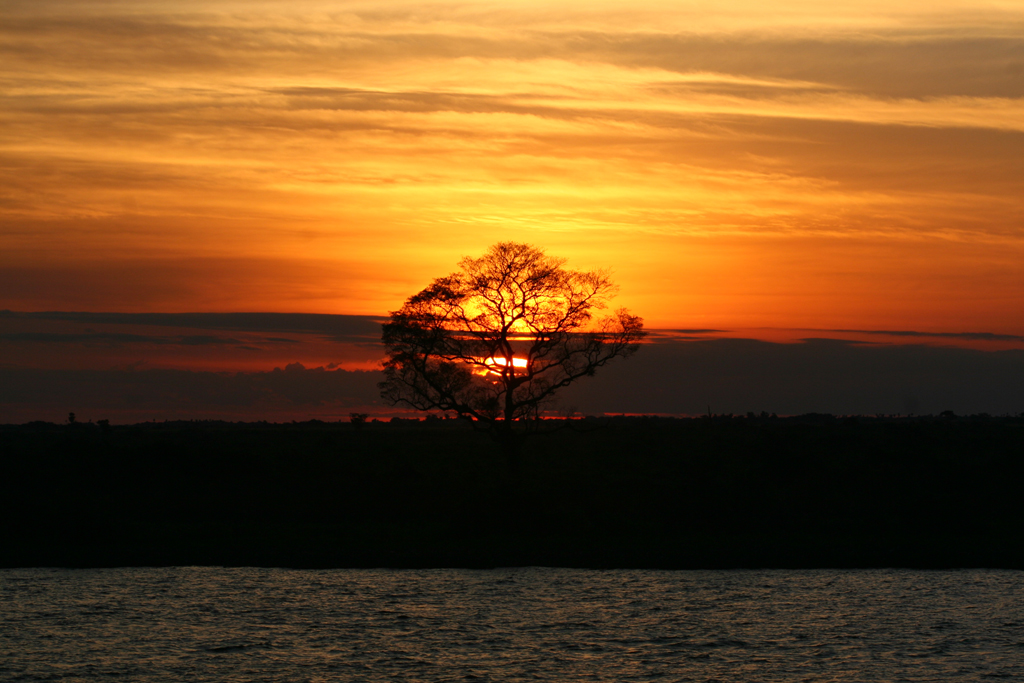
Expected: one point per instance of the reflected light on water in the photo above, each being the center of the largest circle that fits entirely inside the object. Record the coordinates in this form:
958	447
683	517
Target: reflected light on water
245	624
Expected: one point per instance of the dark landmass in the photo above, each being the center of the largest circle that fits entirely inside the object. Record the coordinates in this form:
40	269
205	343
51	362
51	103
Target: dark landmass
757	491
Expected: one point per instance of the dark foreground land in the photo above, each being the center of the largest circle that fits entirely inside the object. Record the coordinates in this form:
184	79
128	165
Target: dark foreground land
813	491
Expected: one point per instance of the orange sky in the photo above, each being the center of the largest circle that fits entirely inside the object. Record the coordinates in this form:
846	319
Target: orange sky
852	165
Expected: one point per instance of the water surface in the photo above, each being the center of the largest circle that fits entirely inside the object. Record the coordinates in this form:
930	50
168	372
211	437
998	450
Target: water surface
216	624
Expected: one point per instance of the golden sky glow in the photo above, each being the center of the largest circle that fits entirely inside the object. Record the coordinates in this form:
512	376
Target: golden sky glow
850	165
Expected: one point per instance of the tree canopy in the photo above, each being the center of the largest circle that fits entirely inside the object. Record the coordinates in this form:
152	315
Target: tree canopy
496	340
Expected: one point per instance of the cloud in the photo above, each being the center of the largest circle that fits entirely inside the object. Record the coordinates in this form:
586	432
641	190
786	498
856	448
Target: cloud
821	375
209	341
170	281
340	327
316	156
58	338
973	336
661	336
113	339
727	375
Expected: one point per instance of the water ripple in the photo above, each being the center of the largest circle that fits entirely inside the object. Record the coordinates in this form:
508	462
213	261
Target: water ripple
215	624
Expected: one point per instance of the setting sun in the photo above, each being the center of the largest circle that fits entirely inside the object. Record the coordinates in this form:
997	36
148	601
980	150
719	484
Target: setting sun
493	365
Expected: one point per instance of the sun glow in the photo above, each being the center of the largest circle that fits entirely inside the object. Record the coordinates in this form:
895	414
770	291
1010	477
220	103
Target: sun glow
739	165
494	365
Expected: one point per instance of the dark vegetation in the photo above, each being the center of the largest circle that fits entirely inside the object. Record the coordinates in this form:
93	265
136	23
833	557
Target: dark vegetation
811	491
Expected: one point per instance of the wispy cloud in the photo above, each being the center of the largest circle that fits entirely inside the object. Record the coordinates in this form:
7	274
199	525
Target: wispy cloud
351	151
351	327
206	341
971	336
113	339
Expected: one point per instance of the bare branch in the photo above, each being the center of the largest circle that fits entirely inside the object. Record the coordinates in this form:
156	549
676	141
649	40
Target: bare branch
496	341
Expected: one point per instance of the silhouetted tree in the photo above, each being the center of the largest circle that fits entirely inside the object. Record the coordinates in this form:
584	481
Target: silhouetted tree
357	420
495	341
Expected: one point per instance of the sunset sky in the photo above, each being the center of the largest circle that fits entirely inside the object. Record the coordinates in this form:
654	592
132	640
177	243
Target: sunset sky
773	171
